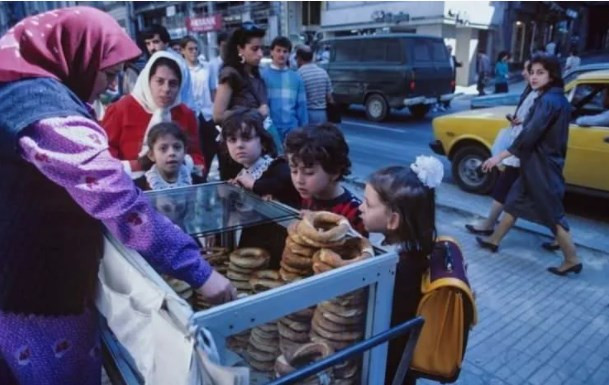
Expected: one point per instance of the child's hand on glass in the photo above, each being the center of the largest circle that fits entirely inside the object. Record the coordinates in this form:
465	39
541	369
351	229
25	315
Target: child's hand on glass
246	180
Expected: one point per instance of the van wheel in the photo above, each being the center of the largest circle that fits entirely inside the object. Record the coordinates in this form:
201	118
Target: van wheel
376	108
419	110
467	170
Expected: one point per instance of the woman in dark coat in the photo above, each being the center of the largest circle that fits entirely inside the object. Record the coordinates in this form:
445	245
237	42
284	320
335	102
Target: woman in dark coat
542	147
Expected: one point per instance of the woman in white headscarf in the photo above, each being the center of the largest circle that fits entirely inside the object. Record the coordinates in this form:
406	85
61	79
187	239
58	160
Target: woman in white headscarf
155	99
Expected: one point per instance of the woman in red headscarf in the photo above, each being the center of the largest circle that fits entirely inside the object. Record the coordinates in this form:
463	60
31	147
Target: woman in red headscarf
59	184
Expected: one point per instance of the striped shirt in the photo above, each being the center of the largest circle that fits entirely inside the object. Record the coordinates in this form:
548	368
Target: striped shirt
317	85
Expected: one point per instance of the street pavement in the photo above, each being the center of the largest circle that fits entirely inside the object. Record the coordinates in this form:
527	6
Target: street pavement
534	328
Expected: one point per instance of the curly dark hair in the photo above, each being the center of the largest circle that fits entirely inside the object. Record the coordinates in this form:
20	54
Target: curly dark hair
283	42
166	128
239	38
324	144
247	123
155	29
400	189
552	65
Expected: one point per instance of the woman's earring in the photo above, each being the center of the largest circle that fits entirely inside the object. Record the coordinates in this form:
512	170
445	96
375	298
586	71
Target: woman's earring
242	59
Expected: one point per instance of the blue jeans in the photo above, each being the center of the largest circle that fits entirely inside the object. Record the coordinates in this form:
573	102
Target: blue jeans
317	117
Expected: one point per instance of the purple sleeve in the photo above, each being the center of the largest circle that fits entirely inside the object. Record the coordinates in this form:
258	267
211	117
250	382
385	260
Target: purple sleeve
73	152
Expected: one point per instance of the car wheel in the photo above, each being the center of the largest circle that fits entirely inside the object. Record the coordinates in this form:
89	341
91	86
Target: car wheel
419	110
376	108
467	170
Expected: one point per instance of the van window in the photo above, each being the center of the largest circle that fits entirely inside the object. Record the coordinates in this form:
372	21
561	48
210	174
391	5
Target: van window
421	51
373	50
439	52
394	51
346	51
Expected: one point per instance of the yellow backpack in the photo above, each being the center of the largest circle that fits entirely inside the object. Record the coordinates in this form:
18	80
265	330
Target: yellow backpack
449	309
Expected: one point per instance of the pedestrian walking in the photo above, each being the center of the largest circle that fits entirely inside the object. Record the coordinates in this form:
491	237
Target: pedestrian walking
502	73
155	99
454	63
317	85
60	184
541	147
573	61
551	48
483	71
285	89
509	170
240	84
399	202
202	97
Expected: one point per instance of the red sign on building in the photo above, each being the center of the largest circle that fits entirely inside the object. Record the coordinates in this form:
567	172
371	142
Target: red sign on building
204	24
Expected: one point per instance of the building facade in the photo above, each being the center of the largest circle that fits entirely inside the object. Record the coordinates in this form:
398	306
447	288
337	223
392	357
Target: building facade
466	26
11	12
209	17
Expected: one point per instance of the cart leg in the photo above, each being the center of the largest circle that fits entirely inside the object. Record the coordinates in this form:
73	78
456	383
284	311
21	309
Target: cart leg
375	360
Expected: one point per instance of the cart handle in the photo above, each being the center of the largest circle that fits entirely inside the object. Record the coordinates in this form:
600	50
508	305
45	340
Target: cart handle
414	326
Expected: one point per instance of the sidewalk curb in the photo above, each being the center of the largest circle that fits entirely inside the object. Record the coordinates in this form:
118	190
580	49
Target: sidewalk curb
521	224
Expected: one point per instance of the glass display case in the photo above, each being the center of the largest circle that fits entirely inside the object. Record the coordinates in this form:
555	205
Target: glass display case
226	216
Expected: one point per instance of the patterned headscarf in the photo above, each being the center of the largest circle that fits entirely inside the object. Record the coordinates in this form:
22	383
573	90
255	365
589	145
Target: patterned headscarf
69	44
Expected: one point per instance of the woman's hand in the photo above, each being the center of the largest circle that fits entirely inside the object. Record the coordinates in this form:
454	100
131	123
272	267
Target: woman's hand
264	110
515	121
217	289
246	180
491	162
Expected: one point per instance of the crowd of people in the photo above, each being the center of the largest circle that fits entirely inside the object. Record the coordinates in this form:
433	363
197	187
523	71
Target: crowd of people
500	73
273	139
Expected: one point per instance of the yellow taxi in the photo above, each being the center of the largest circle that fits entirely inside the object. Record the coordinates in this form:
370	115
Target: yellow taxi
466	139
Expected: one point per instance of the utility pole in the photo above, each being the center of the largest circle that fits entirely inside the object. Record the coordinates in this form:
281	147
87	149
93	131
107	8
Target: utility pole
211	35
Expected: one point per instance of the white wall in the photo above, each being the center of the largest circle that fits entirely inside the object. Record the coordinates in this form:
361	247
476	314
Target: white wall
467	47
477	12
355	12
430	29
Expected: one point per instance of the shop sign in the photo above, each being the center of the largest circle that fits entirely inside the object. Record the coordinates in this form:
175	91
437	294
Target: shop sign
204	24
170	11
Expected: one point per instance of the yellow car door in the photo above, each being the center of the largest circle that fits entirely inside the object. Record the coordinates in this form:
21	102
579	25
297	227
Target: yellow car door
587	163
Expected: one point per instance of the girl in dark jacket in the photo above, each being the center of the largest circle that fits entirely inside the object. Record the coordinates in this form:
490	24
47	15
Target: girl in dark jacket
542	146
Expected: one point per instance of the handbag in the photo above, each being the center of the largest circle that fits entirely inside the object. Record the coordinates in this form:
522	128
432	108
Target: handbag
502	142
333	113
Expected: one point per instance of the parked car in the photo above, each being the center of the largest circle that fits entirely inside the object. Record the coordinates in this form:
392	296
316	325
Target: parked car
390	71
466	139
511	99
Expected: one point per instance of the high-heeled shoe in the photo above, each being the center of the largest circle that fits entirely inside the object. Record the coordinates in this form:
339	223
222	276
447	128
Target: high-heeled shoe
474	230
550	246
487	245
573	269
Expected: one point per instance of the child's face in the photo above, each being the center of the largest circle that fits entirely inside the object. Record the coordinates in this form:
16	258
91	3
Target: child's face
245	149
168	154
375	214
311	182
